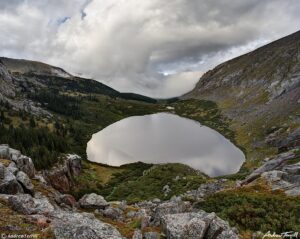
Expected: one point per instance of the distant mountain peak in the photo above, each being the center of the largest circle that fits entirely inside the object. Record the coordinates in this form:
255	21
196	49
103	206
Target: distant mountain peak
26	66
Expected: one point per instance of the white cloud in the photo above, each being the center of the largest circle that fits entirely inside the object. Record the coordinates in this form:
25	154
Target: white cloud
127	43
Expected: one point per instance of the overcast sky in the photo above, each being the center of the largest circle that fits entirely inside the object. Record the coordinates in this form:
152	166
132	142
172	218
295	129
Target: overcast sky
154	47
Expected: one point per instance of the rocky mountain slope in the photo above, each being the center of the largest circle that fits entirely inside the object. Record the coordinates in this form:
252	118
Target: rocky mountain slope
260	93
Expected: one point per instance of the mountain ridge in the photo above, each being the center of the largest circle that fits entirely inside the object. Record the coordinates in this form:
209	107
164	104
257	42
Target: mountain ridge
25	66
260	92
37	74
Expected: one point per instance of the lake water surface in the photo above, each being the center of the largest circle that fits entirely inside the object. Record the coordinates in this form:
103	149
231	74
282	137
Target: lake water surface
165	138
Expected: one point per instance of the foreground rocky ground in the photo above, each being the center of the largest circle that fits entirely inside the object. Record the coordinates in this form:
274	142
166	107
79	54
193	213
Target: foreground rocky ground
30	204
33	206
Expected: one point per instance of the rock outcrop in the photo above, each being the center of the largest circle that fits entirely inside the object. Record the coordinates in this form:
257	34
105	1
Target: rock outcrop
137	234
22	162
61	176
288	179
26	204
276	163
25	181
152	235
66	199
170	207
8	182
279	173
196	226
112	213
15	177
93	201
26	165
49	208
291	141
67	225
205	190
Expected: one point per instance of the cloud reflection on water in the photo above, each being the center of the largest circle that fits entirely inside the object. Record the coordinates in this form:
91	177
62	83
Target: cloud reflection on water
165	138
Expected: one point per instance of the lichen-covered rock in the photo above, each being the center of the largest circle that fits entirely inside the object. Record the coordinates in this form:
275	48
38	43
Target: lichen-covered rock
4	151
22	162
14	154
169	207
26	204
196	225
205	190
12	167
166	189
287	179
156	200
112	213
292	172
292	140
58	179
279	173
131	214
24	180
273	164
219	229
42	221
151	235
123	205
146	204
294	191
137	234
145	222
93	201
66	199
184	225
67	225
75	164
8	182
26	165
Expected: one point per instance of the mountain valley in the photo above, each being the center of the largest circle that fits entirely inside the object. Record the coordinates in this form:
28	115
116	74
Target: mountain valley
47	183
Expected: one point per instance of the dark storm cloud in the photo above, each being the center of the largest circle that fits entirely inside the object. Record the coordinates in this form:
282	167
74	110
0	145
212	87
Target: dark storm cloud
9	5
127	43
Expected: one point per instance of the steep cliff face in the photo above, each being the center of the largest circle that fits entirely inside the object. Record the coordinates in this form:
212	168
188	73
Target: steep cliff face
259	91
